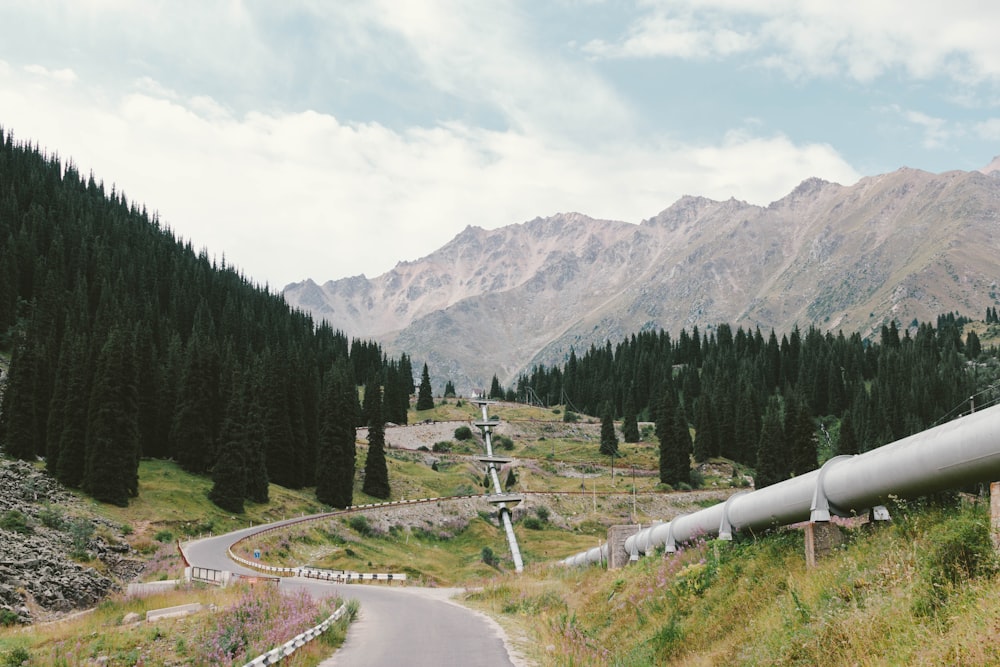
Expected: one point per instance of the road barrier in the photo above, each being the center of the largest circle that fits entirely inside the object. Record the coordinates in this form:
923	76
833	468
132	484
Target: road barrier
297	642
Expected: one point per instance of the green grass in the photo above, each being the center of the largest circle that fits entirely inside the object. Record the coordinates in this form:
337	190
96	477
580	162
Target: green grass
923	591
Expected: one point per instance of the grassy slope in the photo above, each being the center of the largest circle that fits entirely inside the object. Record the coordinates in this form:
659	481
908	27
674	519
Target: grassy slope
921	591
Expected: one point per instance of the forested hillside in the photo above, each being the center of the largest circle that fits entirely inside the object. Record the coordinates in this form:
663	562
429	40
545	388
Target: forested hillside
762	402
125	343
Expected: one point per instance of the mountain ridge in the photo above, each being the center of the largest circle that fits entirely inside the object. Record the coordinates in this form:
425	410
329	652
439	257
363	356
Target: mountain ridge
903	245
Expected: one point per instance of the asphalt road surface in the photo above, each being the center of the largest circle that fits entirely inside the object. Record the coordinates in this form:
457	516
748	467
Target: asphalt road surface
396	625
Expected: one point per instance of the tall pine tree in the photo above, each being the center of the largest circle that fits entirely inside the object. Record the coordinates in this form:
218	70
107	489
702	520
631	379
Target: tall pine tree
609	439
425	397
337	452
111	466
376	471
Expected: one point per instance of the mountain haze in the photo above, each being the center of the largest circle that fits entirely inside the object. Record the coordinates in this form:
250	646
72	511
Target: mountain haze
905	245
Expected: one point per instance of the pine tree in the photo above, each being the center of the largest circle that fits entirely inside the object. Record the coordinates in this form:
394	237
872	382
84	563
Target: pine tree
111	464
22	438
425	398
705	437
630	425
336	454
848	441
192	434
73	433
675	442
772	466
609	440
496	391
376	471
800	435
229	478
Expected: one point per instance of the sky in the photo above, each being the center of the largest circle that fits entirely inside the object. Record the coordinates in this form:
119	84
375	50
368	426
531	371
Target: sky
326	139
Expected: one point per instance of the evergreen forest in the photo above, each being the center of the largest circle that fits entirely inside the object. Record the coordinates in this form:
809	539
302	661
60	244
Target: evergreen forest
778	406
125	342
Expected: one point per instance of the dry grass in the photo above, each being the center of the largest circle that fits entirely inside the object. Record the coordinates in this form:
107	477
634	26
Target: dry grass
235	625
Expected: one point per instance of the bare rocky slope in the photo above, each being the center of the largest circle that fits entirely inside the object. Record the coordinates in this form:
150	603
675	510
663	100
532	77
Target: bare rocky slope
41	524
905	245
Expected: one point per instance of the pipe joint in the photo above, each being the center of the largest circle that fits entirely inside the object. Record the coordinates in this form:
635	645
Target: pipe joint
820	508
726	525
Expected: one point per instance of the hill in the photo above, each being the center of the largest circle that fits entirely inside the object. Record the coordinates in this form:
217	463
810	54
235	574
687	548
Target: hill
904	246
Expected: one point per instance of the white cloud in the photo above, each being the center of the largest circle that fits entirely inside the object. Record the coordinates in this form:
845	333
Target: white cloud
288	196
65	75
936	133
854	38
988	129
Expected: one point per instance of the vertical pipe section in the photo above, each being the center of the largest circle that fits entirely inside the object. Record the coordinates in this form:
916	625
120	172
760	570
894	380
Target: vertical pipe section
961	452
508	526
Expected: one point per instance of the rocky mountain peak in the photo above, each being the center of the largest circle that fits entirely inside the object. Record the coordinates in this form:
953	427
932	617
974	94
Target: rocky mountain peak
904	245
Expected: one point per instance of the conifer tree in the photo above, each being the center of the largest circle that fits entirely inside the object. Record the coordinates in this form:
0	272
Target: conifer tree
630	424
73	432
800	435
848	441
229	479
675	442
771	466
609	440
705	437
193	432
336	454
496	391
111	464
376	471
425	397
21	408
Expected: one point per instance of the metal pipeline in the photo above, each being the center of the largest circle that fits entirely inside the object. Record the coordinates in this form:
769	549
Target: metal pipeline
508	526
958	453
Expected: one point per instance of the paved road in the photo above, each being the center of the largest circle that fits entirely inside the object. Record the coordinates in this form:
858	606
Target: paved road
396	626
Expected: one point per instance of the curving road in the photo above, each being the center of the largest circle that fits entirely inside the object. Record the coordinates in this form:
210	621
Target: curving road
396	626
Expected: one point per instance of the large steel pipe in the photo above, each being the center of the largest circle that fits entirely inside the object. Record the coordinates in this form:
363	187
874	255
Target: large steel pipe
961	452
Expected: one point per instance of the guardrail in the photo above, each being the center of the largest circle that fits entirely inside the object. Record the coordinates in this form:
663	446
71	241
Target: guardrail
292	571
297	642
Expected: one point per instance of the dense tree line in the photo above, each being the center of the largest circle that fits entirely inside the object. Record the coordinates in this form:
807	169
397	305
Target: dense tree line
757	400
125	343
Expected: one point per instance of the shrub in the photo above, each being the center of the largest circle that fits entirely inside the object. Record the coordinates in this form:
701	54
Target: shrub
359	522
504	442
532	523
441	447
7	617
52	517
16	657
489	557
164	536
542	512
463	433
570	417
15	521
81	531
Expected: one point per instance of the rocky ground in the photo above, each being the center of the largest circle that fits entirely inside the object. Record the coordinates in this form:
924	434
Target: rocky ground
54	558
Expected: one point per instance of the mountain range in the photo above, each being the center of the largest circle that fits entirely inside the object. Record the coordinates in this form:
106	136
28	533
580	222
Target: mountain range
905	246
